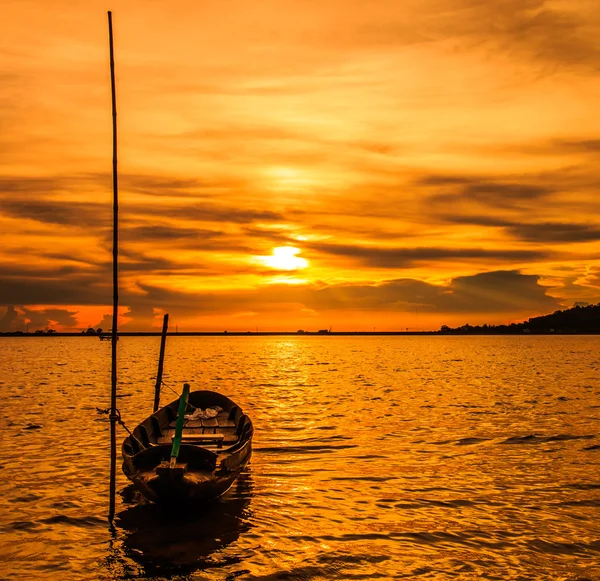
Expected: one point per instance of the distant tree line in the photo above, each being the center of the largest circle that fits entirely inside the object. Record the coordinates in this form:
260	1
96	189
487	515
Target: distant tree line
579	319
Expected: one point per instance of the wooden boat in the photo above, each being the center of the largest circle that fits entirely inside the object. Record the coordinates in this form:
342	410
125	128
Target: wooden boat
173	458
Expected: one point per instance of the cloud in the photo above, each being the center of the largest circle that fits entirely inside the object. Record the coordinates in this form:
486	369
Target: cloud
219	212
547	232
492	192
550	34
173	235
575	146
499	291
491	292
82	289
555	232
591	278
49	318
488	292
23	318
30	185
377	256
80	214
157	185
11	320
141	316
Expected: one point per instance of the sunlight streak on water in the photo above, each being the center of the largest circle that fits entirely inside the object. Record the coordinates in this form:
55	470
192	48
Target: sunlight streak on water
374	457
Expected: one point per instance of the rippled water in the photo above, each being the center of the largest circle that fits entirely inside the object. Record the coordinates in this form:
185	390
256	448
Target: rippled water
374	458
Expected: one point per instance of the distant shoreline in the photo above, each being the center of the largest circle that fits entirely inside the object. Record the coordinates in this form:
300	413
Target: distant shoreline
296	334
218	334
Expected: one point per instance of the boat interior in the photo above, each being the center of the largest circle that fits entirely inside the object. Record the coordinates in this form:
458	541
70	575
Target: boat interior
223	432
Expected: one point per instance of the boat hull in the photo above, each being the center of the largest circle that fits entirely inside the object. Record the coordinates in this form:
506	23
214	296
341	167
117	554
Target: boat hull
201	472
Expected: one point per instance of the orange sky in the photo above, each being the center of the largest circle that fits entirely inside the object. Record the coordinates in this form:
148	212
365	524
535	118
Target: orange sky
300	164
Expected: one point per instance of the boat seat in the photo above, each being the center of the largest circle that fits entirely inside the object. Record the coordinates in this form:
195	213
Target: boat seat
203	439
225	423
231	438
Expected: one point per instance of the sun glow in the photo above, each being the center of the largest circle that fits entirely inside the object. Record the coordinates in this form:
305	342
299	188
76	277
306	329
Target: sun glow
288	178
284	258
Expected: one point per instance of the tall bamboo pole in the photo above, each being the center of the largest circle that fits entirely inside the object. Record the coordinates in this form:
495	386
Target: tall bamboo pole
161	362
113	392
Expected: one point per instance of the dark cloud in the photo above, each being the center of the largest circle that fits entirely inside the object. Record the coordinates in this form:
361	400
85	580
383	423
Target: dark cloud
105	323
444	180
152	185
496	292
40	205
133	261
491	292
155	185
591	277
497	193
555	232
30	185
78	289
221	213
488	191
172	237
375	256
82	214
40	273
576	146
168	233
49	318
535	31
142	316
474	219
544	33
276	236
542	232
13	320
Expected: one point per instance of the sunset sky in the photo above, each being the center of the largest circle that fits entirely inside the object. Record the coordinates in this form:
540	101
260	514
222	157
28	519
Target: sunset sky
289	164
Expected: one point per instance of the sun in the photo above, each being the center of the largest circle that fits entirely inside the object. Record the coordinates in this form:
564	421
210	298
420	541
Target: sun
284	258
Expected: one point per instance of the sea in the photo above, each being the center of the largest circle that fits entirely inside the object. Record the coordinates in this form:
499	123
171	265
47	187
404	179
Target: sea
374	457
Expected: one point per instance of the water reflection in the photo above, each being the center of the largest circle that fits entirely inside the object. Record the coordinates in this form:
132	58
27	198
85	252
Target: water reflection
165	542
375	458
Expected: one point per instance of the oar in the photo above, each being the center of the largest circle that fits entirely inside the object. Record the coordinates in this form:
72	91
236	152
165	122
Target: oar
183	401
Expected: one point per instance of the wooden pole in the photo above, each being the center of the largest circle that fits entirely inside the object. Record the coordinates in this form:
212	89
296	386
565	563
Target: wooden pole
113	393
183	401
161	360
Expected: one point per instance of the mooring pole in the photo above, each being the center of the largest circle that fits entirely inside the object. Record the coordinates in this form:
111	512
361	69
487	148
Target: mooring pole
183	401
161	361
113	392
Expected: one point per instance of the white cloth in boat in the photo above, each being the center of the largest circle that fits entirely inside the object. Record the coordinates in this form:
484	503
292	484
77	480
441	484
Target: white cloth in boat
207	414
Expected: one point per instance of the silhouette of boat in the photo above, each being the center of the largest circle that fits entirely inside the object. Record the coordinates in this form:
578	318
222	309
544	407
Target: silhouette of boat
190	450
